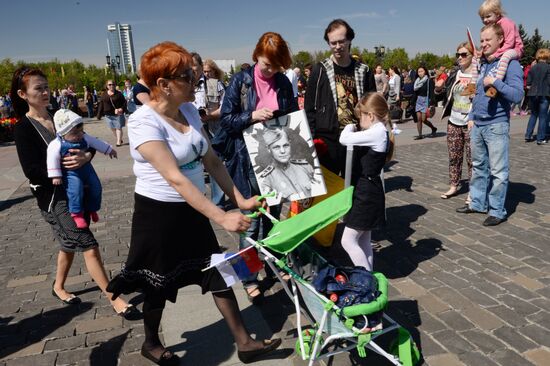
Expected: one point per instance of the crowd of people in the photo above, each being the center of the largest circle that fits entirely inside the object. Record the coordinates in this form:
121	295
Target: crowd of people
184	121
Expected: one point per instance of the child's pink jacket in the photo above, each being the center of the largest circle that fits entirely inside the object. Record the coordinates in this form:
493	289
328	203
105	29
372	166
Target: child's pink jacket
512	39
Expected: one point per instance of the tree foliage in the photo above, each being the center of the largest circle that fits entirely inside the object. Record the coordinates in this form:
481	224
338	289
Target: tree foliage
62	74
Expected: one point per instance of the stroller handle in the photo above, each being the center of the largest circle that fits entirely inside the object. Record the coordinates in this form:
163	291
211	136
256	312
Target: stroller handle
254	215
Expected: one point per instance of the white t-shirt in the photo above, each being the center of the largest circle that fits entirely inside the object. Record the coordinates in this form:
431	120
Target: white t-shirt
291	75
376	136
147	125
461	104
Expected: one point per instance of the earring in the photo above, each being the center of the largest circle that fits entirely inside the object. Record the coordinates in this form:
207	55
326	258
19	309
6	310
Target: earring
168	93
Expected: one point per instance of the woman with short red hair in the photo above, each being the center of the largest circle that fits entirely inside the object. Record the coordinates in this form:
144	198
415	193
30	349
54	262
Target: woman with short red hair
172	239
253	95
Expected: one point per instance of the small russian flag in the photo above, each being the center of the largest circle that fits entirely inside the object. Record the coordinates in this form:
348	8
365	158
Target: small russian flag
235	267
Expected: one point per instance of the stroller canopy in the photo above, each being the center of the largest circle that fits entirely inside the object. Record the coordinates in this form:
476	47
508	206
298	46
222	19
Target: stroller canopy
286	235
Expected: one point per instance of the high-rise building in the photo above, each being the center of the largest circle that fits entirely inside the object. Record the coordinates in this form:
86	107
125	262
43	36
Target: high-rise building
121	44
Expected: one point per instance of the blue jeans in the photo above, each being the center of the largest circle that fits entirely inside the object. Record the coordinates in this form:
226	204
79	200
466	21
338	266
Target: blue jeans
259	228
489	183
539	109
74	181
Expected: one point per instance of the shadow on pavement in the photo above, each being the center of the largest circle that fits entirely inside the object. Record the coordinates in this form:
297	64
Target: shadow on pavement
398	183
199	345
107	352
4	205
19	335
518	193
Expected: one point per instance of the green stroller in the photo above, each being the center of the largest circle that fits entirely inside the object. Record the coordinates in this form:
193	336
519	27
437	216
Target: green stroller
333	330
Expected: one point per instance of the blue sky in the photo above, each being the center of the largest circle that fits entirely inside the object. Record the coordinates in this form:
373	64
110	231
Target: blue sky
38	30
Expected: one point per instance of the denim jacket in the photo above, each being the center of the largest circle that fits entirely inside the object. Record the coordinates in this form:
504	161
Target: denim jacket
236	116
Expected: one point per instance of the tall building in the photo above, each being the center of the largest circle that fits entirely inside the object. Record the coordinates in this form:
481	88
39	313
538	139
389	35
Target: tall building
120	43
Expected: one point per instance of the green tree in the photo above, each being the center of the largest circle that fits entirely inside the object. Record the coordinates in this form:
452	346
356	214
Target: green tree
301	59
427	59
525	39
396	57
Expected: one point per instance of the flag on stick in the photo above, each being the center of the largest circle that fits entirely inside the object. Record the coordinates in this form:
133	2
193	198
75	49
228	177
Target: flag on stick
235	267
471	39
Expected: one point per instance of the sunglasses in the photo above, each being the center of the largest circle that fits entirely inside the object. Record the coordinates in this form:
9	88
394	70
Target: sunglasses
110	84
188	76
462	54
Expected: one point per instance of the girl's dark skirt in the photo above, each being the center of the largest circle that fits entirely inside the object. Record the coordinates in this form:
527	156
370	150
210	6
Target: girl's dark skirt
171	243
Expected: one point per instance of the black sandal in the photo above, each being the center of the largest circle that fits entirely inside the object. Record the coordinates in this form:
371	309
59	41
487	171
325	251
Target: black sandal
250	356
420	137
172	360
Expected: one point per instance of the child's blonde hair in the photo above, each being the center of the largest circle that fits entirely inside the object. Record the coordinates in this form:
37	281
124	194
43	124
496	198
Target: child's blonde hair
491	6
376	104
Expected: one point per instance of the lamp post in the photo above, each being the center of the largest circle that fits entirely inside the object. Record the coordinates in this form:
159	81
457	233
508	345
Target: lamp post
114	64
379	52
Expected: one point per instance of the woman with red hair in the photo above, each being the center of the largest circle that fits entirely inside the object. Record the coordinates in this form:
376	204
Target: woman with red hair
172	239
253	95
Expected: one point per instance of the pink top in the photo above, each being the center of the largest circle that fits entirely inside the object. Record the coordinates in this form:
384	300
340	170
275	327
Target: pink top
512	39
266	95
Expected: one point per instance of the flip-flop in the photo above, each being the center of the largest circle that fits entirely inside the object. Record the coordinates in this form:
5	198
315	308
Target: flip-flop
268	346
162	360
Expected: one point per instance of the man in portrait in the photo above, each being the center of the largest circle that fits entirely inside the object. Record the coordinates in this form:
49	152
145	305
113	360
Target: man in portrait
290	178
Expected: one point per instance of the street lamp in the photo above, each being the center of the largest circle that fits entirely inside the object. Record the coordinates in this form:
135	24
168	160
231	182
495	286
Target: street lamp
379	52
114	64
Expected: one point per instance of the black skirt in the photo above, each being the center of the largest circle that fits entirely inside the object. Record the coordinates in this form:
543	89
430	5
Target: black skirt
171	243
368	209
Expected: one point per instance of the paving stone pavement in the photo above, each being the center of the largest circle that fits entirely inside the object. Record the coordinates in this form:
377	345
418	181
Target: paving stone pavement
470	295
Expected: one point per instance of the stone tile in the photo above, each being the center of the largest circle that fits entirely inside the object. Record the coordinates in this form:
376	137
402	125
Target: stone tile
478	297
65	343
453	342
516	340
519	306
539	356
26	281
445	359
452	297
475	358
539	335
485	342
527	282
509	358
507	315
483	319
33	349
455	321
47	359
409	289
94	325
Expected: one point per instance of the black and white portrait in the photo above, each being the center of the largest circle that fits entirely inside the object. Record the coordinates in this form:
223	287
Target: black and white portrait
284	158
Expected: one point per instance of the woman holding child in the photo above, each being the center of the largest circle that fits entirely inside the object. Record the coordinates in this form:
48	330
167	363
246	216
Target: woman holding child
33	132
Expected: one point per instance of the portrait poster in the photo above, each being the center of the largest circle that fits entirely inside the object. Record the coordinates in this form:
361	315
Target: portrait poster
284	158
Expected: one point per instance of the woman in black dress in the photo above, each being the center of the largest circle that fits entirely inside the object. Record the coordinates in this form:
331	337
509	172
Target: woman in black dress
172	239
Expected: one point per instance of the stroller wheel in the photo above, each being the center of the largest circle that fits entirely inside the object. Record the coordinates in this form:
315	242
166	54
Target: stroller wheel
308	335
407	355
